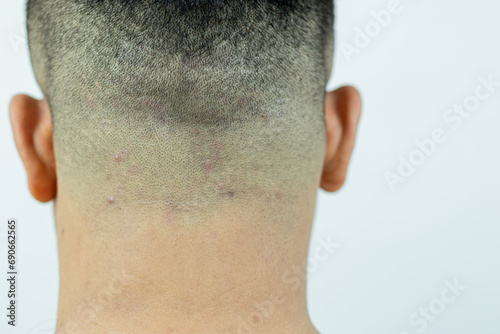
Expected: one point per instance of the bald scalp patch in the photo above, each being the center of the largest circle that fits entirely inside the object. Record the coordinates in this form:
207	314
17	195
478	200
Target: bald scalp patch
183	102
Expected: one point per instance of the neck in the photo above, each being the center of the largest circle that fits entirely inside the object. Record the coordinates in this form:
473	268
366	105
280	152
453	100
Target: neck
234	271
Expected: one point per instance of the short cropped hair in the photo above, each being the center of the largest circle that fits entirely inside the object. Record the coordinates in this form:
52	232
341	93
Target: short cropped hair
222	96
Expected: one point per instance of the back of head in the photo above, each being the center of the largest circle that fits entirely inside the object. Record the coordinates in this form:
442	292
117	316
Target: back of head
184	105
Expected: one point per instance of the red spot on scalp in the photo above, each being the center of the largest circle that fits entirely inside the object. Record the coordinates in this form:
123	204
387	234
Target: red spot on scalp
168	218
208	165
119	157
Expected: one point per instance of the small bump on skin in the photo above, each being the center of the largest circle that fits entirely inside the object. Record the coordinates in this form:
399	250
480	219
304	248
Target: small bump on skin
217	146
152	104
119	157
168	218
150	133
91	102
158	109
228	194
208	165
245	100
111	200
220	186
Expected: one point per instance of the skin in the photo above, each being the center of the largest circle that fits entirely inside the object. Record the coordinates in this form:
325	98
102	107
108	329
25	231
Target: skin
167	277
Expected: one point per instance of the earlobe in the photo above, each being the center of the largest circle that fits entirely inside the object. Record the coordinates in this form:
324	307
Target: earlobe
342	113
32	128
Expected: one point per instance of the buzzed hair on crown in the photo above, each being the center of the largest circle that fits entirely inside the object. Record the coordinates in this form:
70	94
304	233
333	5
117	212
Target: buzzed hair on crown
130	43
198	80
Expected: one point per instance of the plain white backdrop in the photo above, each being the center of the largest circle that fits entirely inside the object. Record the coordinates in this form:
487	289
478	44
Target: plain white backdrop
422	256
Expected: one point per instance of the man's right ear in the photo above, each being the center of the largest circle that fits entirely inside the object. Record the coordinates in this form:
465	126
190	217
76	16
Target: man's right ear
342	113
32	128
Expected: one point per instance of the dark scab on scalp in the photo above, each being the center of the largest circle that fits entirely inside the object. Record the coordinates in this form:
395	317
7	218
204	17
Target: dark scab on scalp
220	187
228	194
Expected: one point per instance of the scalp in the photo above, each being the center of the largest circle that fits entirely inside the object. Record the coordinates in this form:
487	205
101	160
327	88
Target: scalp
174	98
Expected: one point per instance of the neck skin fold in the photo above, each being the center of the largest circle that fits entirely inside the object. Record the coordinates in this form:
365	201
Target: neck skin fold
237	269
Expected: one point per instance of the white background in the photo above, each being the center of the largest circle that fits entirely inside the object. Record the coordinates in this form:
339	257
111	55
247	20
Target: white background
397	248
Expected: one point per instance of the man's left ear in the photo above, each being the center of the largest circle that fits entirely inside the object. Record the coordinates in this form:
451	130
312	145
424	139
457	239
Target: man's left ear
342	113
32	128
